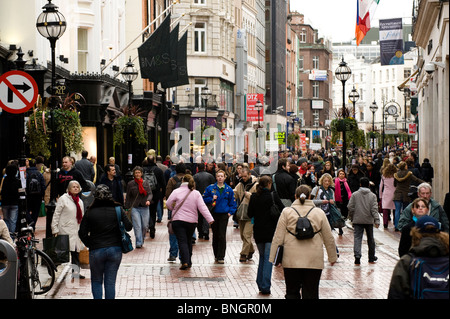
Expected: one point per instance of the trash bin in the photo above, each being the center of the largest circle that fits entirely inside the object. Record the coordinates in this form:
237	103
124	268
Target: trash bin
8	271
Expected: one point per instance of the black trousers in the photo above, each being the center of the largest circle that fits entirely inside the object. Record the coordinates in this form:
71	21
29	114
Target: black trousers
184	231
304	280
219	229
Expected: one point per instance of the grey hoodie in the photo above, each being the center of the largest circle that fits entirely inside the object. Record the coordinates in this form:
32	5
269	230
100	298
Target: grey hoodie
363	207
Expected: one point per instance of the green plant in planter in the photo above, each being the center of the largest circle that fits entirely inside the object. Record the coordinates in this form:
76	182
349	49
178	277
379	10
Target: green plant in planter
131	120
66	121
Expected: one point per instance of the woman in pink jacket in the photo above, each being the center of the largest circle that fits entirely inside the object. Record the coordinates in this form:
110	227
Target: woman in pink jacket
387	190
184	202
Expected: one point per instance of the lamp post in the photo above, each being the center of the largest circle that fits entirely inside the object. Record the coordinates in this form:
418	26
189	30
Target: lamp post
51	24
354	97
129	74
206	94
406	94
343	73
258	107
373	107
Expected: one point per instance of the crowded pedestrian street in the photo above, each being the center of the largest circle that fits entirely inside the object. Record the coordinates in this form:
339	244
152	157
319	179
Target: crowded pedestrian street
146	274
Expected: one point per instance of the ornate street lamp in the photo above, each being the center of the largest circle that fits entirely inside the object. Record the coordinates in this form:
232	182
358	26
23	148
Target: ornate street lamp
354	97
373	107
206	94
129	74
51	24
343	73
258	107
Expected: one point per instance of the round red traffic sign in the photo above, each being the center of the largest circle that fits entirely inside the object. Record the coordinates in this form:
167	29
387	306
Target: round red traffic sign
18	91
224	134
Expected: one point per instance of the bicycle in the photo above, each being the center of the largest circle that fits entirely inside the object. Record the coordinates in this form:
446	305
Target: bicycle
36	271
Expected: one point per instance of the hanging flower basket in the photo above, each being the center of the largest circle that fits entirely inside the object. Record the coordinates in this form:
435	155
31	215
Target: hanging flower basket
131	120
66	121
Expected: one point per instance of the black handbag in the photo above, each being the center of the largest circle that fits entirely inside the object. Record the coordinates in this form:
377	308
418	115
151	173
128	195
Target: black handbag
274	210
127	245
57	248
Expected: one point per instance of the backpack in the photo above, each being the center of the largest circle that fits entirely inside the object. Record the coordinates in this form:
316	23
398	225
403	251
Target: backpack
33	185
178	184
150	177
303	229
429	277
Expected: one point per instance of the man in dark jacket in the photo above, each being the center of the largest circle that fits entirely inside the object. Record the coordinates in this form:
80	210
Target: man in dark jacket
283	183
114	183
202	180
35	196
158	193
85	167
68	173
354	177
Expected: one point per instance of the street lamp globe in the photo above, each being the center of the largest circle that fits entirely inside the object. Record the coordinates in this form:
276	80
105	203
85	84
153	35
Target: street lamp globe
354	95
51	23
206	93
129	73
343	72
373	107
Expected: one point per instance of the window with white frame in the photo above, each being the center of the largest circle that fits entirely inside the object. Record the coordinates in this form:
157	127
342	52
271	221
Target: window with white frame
82	49
200	37
300	62
300	89
316	62
199	1
199	84
315	86
302	36
316	118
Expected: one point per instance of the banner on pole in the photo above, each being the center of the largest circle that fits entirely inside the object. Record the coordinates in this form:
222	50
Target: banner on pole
391	41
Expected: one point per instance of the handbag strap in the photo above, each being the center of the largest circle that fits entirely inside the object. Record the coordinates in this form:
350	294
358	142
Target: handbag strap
178	208
119	219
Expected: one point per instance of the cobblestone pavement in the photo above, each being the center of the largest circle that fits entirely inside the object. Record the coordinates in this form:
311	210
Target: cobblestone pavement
146	274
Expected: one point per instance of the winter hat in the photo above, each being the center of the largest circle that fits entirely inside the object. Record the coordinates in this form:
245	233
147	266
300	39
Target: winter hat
427	224
102	192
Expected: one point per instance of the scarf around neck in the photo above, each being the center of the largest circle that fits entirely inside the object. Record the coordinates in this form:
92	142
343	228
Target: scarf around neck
76	200
337	189
140	183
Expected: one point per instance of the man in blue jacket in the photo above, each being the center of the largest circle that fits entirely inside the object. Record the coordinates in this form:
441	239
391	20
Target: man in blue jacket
220	197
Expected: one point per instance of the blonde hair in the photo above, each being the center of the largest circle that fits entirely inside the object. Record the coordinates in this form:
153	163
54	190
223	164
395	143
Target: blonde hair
326	175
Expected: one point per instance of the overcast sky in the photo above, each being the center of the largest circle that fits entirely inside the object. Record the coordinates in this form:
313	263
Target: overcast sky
336	19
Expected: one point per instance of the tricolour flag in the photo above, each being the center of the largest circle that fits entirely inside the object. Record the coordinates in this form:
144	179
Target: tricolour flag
364	13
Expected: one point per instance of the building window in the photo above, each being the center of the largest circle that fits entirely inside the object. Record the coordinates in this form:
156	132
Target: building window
300	62
302	37
199	84
200	38
301	118
315	62
199	1
315	86
316	118
300	89
82	50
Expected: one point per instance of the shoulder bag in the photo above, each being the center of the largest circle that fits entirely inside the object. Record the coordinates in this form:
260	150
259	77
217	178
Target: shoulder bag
336	219
274	210
169	223
127	246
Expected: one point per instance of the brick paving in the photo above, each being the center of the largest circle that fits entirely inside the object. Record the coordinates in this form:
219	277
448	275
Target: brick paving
146	274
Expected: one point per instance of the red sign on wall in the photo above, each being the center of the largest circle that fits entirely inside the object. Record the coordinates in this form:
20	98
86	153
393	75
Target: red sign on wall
253	113
412	129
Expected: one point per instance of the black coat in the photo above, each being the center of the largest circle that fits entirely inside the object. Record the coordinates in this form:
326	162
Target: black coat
284	184
99	227
160	190
202	180
353	180
259	208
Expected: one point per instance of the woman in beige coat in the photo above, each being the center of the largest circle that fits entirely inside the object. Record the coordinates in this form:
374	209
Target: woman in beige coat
66	221
303	260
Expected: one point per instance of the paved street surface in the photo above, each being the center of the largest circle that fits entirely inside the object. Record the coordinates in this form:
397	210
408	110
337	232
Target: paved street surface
146	274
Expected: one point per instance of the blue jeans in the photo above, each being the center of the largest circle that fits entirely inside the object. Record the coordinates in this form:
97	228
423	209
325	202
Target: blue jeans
264	276
140	217
399	206
173	242
10	214
159	210
104	264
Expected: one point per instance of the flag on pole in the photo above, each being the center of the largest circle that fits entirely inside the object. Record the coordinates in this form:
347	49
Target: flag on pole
154	53
181	65
365	11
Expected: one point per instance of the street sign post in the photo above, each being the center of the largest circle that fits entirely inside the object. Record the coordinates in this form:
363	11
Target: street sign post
18	92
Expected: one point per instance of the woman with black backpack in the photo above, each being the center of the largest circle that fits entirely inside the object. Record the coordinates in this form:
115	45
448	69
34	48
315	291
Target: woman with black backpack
303	259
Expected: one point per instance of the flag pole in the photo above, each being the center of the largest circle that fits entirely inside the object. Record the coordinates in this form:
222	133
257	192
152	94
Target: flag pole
142	32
